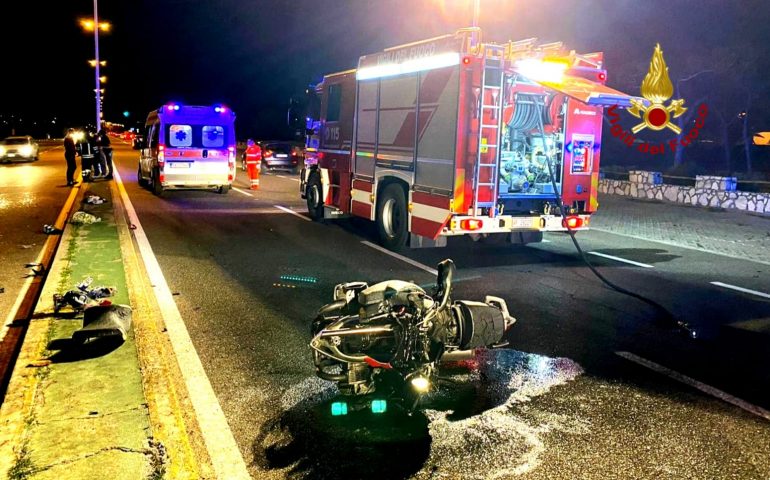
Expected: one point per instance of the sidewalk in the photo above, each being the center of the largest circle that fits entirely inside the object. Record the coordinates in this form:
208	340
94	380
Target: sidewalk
77	413
731	233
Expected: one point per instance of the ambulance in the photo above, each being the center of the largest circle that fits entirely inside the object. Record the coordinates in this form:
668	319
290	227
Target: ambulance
188	147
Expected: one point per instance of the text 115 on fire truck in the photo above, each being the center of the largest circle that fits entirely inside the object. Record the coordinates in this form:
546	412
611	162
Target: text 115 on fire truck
452	136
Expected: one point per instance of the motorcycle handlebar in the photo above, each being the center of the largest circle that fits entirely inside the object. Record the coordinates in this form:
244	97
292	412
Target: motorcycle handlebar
446	270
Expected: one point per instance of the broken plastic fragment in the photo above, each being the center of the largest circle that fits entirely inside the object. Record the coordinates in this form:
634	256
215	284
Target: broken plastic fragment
83	218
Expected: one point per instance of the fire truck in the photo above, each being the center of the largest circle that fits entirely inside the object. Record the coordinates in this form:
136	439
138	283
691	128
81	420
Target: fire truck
453	136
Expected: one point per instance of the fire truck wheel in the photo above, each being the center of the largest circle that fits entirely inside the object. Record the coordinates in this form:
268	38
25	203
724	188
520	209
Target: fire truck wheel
157	188
392	217
314	194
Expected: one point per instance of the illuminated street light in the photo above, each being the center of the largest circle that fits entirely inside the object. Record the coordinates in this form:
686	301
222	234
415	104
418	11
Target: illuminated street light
88	25
95	25
103	79
102	63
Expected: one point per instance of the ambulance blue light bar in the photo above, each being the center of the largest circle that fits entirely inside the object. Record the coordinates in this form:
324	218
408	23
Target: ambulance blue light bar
441	60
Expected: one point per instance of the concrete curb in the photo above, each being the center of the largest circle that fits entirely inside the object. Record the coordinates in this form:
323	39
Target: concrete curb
171	415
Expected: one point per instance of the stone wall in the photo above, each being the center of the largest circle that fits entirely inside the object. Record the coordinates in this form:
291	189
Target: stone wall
641	185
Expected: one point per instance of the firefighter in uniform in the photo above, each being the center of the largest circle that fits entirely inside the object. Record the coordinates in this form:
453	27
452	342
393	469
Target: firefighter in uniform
253	158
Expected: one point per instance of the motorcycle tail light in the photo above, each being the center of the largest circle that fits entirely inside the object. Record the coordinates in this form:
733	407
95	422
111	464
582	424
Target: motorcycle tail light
339	408
379	406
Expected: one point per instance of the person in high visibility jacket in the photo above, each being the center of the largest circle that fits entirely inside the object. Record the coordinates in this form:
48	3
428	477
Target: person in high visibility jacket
253	158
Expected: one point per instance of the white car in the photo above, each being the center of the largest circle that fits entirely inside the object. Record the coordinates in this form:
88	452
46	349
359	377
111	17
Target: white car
18	148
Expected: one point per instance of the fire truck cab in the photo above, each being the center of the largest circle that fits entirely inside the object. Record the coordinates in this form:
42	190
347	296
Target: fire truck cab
452	136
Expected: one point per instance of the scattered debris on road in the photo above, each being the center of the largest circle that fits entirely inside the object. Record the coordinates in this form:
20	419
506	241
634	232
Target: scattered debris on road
83	218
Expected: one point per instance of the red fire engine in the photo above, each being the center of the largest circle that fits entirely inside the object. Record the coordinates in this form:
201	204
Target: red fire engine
452	136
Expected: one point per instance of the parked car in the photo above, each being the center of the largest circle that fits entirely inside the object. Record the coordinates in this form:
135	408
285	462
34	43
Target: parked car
19	148
138	139
277	155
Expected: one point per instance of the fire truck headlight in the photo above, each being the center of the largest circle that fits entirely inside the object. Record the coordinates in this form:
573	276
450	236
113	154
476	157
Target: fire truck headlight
549	71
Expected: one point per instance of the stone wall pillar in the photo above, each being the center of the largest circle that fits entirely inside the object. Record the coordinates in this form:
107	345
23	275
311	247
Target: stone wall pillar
711	182
645	177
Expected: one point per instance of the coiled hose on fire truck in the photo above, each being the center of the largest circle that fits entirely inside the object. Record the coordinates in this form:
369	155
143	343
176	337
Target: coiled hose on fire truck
658	307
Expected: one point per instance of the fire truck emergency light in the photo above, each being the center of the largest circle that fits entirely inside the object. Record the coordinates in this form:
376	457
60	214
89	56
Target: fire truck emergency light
410	66
548	71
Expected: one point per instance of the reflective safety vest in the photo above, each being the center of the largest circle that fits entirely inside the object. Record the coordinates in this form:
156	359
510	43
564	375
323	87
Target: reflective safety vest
253	154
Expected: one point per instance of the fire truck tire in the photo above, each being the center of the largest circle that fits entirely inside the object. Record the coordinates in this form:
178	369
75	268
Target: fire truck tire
157	188
392	217
141	181
314	195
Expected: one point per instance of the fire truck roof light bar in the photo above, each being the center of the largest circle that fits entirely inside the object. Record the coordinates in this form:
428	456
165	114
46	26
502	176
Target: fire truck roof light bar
442	60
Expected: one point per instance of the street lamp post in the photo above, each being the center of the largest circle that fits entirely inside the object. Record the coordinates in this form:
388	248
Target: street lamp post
98	80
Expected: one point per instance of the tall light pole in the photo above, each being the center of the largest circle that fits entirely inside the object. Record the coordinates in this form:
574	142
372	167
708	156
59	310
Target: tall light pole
98	80
95	25
476	12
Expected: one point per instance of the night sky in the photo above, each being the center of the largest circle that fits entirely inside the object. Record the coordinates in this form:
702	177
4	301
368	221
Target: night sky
254	55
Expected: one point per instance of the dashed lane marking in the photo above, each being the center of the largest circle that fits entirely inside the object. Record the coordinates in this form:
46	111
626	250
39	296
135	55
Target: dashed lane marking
678	245
243	192
708	389
296	214
741	289
224	453
401	257
618	259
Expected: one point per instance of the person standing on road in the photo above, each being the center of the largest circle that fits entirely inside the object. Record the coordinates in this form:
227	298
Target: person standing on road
87	150
105	149
253	158
69	155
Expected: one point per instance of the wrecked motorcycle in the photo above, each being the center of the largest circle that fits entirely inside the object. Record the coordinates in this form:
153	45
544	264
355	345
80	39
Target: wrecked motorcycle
384	343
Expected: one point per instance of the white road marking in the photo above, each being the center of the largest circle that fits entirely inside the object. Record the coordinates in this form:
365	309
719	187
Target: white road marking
243	192
288	178
741	289
759	411
618	259
401	257
686	247
225	456
296	214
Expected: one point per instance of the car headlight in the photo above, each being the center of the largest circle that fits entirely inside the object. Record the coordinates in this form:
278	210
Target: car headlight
26	150
2	151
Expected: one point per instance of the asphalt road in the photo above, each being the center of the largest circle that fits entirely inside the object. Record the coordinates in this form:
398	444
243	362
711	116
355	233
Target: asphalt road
31	195
561	402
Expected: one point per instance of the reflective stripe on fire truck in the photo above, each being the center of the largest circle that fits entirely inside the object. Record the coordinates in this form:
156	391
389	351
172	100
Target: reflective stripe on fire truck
362	199
428	214
593	201
325	185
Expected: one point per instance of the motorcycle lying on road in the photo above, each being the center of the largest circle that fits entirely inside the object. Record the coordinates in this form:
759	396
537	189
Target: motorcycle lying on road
383	344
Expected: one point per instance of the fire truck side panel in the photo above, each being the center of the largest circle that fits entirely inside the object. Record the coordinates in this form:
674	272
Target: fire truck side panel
468	130
396	122
582	143
337	108
436	131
